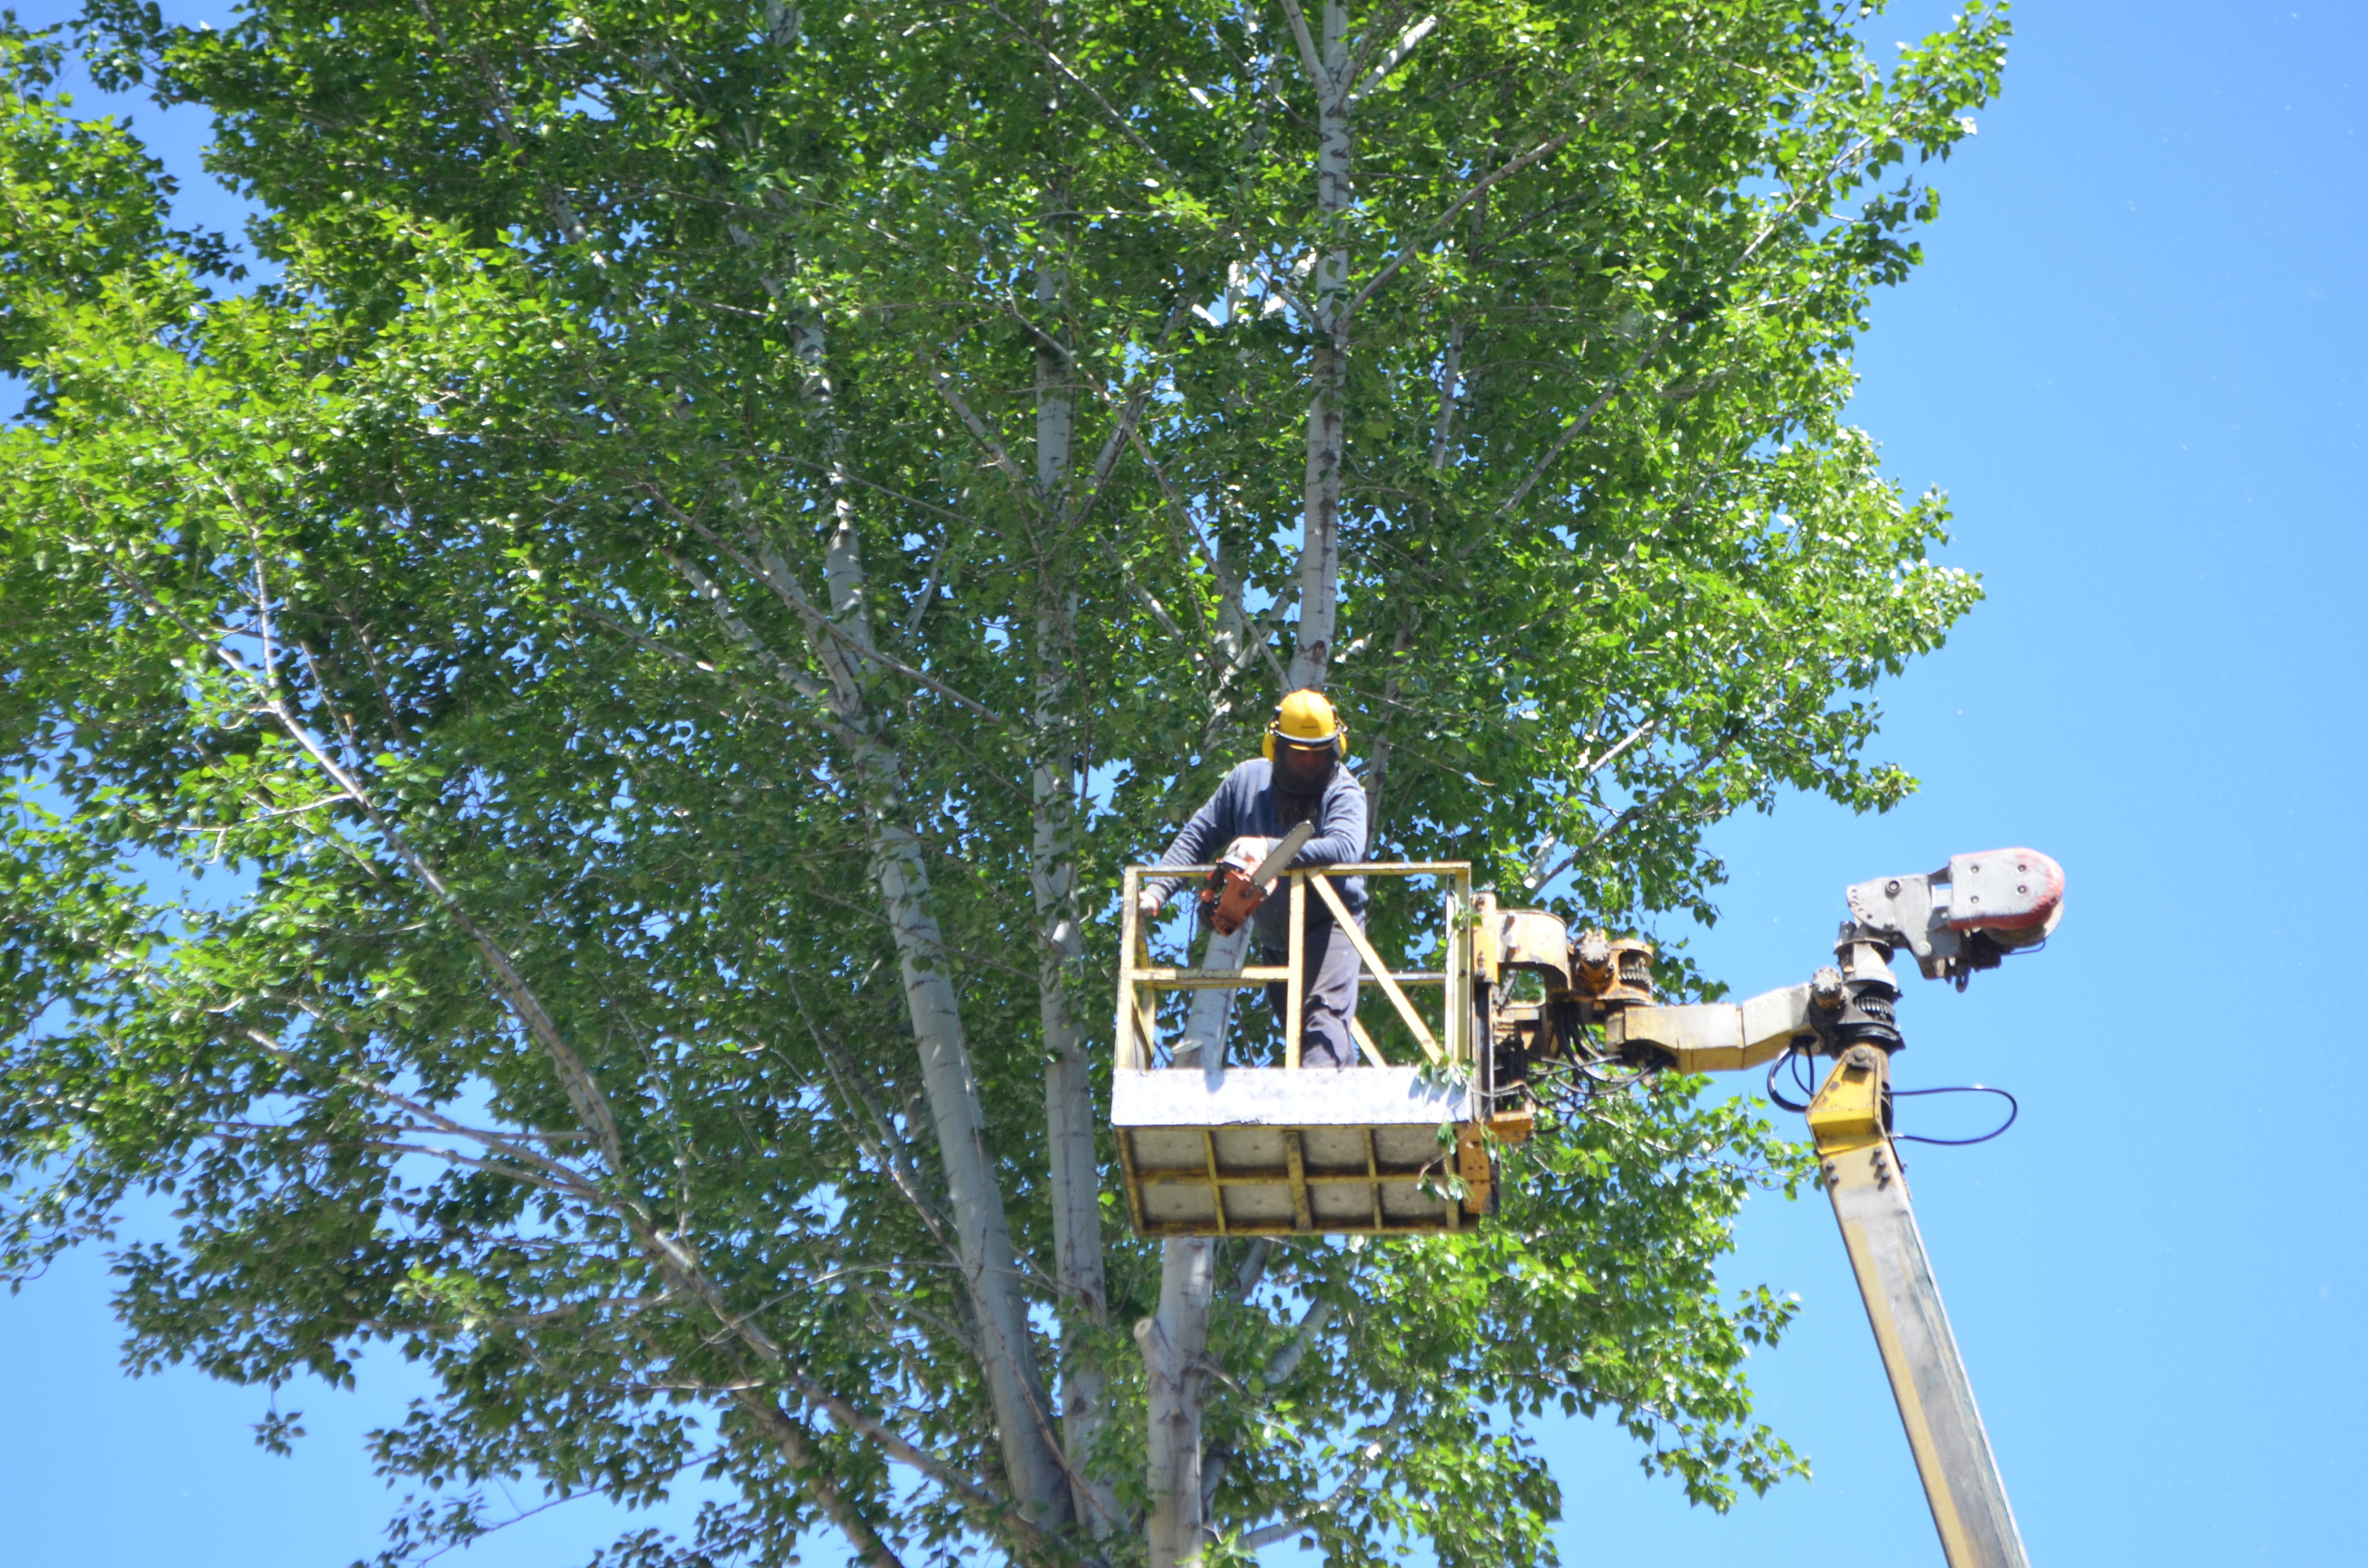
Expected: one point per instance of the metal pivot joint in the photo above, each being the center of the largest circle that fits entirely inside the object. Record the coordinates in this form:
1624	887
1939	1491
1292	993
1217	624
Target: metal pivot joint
1855	1003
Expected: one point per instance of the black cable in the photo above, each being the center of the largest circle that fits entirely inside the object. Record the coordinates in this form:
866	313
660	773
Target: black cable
1792	1054
2013	1110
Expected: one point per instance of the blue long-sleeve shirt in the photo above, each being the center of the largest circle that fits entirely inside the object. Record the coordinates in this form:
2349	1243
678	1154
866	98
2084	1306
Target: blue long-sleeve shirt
1249	803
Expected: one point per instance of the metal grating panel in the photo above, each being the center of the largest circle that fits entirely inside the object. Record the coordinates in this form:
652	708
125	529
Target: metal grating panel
1266	1151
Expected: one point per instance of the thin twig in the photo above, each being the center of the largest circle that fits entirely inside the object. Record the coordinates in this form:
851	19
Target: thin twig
1284	1528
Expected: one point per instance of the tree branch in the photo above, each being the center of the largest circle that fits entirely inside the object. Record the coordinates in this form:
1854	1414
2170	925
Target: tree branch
1283	1529
1570	431
1543	150
1408	41
797	1445
774	575
1317	77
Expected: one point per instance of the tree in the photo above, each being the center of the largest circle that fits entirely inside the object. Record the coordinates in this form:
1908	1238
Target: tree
726	529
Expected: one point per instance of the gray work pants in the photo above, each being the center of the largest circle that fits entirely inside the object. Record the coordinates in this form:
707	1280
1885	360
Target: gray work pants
1332	972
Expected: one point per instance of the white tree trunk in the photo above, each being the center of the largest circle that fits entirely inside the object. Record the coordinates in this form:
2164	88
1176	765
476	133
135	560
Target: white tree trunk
982	1233
1203	1043
1074	1173
1175	1344
1022	1412
1175	1340
1319	551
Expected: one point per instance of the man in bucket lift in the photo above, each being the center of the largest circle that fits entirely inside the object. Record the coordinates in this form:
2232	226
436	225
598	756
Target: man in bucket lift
1298	778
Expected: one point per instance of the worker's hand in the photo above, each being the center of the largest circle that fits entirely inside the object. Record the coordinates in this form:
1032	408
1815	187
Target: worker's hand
1248	851
1148	902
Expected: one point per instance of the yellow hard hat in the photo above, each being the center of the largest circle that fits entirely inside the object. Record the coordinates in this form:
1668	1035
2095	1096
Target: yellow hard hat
1304	717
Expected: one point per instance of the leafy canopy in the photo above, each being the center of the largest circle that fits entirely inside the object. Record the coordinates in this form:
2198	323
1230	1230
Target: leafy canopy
680	450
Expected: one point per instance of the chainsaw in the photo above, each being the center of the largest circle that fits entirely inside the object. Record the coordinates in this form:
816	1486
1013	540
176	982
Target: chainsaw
1237	886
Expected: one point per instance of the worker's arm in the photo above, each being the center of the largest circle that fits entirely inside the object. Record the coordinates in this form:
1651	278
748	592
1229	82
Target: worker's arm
1223	817
1340	825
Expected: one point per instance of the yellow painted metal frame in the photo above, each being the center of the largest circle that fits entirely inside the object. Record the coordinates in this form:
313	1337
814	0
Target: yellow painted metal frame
1451	1048
1140	981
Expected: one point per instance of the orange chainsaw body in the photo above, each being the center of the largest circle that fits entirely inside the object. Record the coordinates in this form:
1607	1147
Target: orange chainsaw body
1231	898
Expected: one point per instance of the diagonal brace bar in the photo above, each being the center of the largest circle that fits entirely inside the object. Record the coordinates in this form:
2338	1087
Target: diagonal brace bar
1379	970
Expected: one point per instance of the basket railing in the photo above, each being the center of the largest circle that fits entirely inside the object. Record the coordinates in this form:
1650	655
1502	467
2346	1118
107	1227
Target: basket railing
1141	981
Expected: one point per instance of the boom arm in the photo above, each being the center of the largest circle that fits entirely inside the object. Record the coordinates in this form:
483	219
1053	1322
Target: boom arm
1714	1037
1964	917
1886	1252
1903	1305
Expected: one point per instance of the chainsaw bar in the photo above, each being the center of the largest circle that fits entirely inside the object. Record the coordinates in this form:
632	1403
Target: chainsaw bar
1279	859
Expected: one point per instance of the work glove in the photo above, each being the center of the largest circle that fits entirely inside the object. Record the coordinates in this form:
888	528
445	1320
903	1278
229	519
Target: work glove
1248	851
1147	904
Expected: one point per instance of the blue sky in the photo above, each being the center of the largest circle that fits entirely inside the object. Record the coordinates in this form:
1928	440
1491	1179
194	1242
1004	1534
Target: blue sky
2138	362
